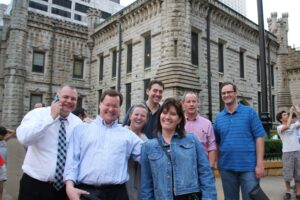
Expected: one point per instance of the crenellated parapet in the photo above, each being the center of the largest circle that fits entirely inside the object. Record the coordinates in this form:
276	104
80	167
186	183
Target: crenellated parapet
280	28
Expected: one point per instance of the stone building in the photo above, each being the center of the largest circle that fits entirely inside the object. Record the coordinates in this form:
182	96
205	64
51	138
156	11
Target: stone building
39	52
288	64
189	45
168	40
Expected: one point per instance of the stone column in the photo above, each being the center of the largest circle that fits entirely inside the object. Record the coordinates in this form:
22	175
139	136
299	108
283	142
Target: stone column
15	66
279	27
176	70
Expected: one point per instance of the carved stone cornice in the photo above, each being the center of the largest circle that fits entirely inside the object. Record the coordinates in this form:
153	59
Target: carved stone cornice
295	71
36	20
227	18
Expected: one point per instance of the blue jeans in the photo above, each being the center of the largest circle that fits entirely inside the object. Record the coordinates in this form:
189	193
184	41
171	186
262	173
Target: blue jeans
232	181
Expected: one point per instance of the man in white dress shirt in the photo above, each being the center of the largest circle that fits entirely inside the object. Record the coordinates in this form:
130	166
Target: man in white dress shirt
39	132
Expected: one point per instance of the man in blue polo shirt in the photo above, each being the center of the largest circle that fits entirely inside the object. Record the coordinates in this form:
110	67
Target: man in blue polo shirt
240	138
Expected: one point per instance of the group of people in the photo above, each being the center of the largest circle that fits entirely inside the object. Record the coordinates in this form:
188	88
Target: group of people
162	151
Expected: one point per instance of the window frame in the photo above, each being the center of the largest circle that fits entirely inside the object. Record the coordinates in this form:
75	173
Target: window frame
242	63
129	58
221	57
75	75
114	63
32	102
147	50
194	48
36	66
101	67
128	96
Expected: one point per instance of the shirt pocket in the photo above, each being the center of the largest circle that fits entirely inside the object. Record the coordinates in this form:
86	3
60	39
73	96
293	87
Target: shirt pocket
186	151
155	155
157	163
187	146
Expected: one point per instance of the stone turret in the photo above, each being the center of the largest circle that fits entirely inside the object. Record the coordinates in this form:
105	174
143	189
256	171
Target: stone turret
176	70
93	17
279	27
14	70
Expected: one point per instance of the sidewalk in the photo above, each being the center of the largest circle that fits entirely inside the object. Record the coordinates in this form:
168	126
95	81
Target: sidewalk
273	186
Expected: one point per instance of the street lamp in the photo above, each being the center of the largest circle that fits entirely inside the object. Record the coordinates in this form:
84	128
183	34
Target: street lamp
264	115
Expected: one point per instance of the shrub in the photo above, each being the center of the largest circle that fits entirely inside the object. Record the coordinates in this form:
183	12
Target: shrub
273	149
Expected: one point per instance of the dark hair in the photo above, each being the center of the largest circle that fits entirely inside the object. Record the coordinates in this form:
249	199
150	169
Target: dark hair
79	111
152	82
112	93
229	83
3	131
279	115
168	103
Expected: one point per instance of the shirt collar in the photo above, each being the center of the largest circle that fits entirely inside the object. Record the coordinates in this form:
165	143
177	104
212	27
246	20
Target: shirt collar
187	119
160	137
238	109
102	122
67	119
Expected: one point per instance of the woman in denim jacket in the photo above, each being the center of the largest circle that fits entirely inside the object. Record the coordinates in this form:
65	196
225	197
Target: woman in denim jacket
174	165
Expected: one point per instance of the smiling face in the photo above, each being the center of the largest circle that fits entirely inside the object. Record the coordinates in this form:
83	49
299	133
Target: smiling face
138	118
110	108
155	93
68	100
169	119
229	96
190	104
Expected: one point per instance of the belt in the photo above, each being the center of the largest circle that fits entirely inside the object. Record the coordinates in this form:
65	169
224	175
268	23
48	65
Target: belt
105	186
26	176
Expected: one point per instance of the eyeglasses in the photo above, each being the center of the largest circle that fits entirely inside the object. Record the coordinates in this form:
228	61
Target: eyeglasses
227	92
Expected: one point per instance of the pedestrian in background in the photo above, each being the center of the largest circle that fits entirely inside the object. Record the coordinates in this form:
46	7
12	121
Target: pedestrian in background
290	151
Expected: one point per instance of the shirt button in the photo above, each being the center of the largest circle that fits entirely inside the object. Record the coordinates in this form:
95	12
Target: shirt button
168	163
168	176
168	189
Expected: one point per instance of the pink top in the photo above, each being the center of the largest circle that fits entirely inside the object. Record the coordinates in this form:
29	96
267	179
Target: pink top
203	130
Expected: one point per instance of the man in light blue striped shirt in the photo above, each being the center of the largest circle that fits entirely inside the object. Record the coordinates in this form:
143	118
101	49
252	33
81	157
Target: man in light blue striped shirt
98	153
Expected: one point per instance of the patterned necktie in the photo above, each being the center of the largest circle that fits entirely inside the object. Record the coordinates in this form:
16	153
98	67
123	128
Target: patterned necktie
61	156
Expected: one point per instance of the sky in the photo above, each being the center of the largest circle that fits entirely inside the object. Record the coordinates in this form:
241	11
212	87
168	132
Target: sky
269	6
